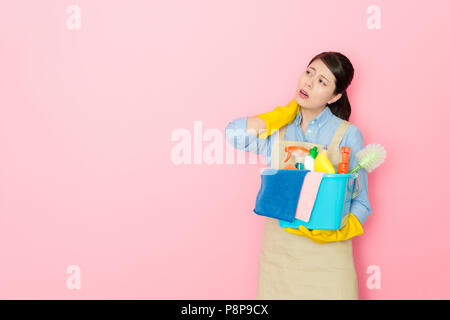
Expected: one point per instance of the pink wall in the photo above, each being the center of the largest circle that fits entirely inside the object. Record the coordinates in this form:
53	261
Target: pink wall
88	176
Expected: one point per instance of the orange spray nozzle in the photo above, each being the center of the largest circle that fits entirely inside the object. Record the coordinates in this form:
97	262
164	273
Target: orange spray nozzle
290	149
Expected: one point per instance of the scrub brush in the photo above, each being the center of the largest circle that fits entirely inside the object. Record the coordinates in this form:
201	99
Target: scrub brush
370	157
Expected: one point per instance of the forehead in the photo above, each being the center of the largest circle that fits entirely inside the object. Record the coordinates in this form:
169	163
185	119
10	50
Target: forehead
322	69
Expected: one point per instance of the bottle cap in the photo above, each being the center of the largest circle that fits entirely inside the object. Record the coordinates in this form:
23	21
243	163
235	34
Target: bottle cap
313	152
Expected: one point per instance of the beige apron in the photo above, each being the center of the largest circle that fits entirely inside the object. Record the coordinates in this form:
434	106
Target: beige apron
295	267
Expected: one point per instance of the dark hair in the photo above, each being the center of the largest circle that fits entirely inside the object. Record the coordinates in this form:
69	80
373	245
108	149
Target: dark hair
343	71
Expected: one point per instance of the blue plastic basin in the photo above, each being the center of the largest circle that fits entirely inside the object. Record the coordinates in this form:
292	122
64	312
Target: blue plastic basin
331	206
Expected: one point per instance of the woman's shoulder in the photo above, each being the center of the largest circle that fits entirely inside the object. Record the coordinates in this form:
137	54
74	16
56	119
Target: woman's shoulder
352	129
353	135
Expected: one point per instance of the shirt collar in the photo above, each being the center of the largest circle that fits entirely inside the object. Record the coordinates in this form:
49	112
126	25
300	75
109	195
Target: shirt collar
319	120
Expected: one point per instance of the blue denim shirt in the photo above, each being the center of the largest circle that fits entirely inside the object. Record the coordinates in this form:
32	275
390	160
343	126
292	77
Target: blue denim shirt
320	130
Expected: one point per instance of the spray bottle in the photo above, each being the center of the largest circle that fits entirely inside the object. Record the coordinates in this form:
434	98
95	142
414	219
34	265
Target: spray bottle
299	155
299	159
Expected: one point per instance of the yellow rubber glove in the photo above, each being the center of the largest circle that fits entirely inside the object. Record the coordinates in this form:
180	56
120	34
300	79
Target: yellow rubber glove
279	117
351	229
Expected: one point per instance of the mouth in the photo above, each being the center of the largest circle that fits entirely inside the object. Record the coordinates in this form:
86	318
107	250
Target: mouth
303	93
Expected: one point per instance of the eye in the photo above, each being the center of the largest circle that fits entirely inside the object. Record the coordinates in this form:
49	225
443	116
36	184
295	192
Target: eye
307	72
322	82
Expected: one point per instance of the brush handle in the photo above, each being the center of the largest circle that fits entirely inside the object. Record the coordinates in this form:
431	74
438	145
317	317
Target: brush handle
356	168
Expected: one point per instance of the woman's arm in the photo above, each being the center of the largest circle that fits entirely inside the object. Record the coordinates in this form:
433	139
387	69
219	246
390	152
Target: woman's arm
360	206
242	133
255	125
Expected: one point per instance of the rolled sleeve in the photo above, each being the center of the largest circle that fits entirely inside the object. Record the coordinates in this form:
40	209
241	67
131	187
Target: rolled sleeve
360	206
236	134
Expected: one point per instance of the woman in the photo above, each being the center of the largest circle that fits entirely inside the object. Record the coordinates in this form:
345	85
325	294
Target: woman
302	263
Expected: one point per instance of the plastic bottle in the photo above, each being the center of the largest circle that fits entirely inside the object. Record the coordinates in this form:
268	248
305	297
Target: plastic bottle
310	159
300	166
291	149
345	158
299	156
323	164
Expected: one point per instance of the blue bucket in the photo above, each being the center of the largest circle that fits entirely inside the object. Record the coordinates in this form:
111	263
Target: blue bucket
332	203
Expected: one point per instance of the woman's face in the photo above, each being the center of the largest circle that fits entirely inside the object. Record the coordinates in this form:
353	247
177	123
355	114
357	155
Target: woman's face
319	83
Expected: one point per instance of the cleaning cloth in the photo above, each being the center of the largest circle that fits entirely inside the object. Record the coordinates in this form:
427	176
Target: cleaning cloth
279	193
308	195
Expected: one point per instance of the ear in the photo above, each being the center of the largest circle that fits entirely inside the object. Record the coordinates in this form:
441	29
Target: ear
336	98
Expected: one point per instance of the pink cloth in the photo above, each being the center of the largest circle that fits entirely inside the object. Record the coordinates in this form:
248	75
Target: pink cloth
308	195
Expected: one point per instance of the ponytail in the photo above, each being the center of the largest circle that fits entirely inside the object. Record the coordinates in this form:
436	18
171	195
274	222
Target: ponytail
341	108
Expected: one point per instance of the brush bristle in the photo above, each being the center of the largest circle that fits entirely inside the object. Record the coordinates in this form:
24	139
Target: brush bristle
371	156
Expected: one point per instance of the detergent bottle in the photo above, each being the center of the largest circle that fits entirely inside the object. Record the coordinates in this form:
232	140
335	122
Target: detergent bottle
345	158
323	164
310	159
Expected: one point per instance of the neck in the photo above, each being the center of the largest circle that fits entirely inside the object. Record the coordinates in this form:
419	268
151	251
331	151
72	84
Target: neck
308	115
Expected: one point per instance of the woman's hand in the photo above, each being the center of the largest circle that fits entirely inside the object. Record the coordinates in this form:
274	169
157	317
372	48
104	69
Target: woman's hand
279	117
351	229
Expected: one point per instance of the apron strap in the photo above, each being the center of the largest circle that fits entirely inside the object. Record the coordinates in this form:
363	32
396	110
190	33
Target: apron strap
275	149
337	138
282	131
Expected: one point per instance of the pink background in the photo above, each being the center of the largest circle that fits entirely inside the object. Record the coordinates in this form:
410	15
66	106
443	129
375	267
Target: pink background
87	116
